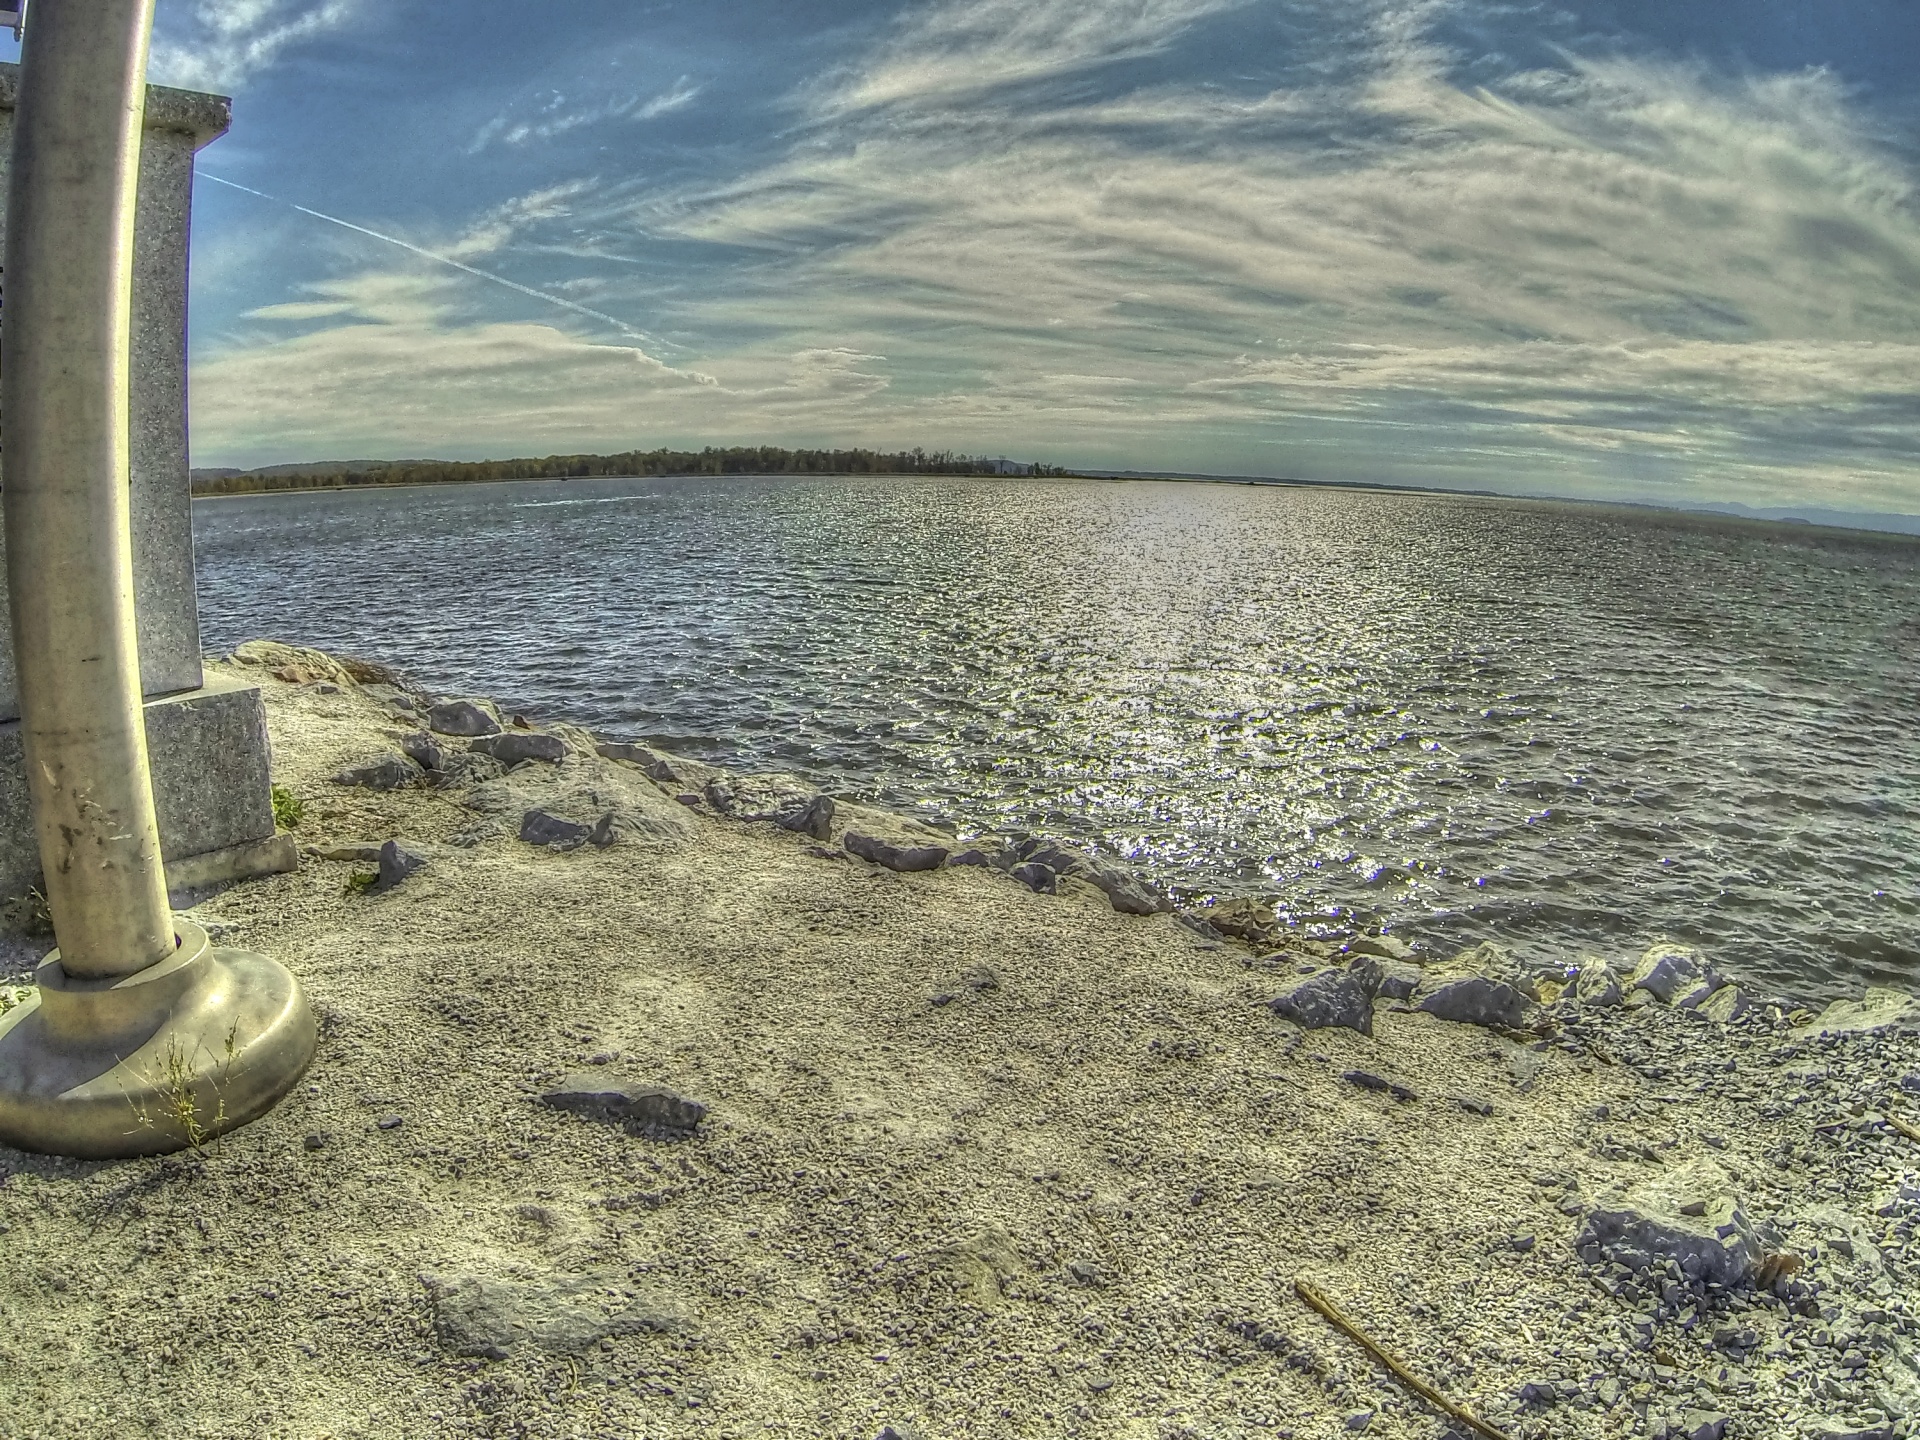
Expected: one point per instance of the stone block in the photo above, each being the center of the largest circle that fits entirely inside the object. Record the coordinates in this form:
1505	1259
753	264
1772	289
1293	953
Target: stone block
178	123
207	753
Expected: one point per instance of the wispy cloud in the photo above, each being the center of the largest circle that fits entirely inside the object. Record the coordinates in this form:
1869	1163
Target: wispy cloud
965	47
553	114
223	44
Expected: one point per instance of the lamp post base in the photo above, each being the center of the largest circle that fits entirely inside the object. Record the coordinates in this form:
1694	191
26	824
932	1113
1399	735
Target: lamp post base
161	1060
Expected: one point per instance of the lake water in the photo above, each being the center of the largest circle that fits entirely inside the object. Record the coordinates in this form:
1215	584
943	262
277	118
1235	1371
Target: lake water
1568	728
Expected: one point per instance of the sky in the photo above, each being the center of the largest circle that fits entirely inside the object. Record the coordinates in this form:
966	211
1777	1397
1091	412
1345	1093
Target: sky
1610	248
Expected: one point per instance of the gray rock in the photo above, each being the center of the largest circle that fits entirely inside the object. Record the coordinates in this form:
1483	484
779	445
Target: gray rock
1597	986
1521	1243
1879	1009
495	1318
813	817
556	832
898	1432
396	864
894	857
599	1095
656	765
424	750
1838	1429
516	747
1702	1425
1128	894
972	855
1367	1080
1726	1004
1330	998
1359	1420
1668	968
1472	1000
1473	1104
1038	878
388	772
1398	980
461	717
1649	1225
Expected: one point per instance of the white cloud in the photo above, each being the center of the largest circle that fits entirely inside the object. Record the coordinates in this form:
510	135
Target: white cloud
967	46
222	44
553	116
1567	276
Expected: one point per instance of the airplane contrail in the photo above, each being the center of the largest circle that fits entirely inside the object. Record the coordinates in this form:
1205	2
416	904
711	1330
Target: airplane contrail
551	299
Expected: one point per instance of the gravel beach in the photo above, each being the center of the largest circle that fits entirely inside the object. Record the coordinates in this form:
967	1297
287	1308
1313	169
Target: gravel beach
657	1102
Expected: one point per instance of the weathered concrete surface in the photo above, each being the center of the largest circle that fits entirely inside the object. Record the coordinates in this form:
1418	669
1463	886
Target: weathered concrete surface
207	750
179	122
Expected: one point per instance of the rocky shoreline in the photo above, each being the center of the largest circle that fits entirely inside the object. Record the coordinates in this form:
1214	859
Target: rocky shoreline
1044	1155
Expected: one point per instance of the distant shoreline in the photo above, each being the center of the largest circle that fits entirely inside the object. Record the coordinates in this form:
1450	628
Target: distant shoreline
1845	523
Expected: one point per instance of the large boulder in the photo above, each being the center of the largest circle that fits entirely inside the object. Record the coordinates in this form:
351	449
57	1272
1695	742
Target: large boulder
1597	986
465	718
1687	1214
1329	998
813	817
1472	1000
1670	971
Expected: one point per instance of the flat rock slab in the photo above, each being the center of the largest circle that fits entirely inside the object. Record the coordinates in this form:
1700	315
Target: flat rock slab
493	1318
894	857
1880	1009
516	747
463	718
1331	998
1473	1000
1688	1215
383	772
650	1109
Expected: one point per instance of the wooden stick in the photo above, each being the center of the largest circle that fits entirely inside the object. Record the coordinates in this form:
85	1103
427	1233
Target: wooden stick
1903	1127
1312	1294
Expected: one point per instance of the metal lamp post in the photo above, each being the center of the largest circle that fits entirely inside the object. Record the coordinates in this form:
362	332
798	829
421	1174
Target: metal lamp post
142	1037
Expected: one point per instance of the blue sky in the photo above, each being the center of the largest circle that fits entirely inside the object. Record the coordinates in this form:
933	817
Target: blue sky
1627	249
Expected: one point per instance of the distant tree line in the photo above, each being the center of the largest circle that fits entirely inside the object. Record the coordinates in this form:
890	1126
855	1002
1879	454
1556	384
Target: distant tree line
733	460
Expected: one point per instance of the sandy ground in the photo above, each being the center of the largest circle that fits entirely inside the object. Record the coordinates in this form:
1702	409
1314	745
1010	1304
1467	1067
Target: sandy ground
1070	1204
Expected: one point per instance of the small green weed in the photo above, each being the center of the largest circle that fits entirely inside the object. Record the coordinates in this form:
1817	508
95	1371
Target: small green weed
287	807
361	881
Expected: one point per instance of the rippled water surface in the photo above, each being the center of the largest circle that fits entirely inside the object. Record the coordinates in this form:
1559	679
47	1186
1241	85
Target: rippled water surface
1564	727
